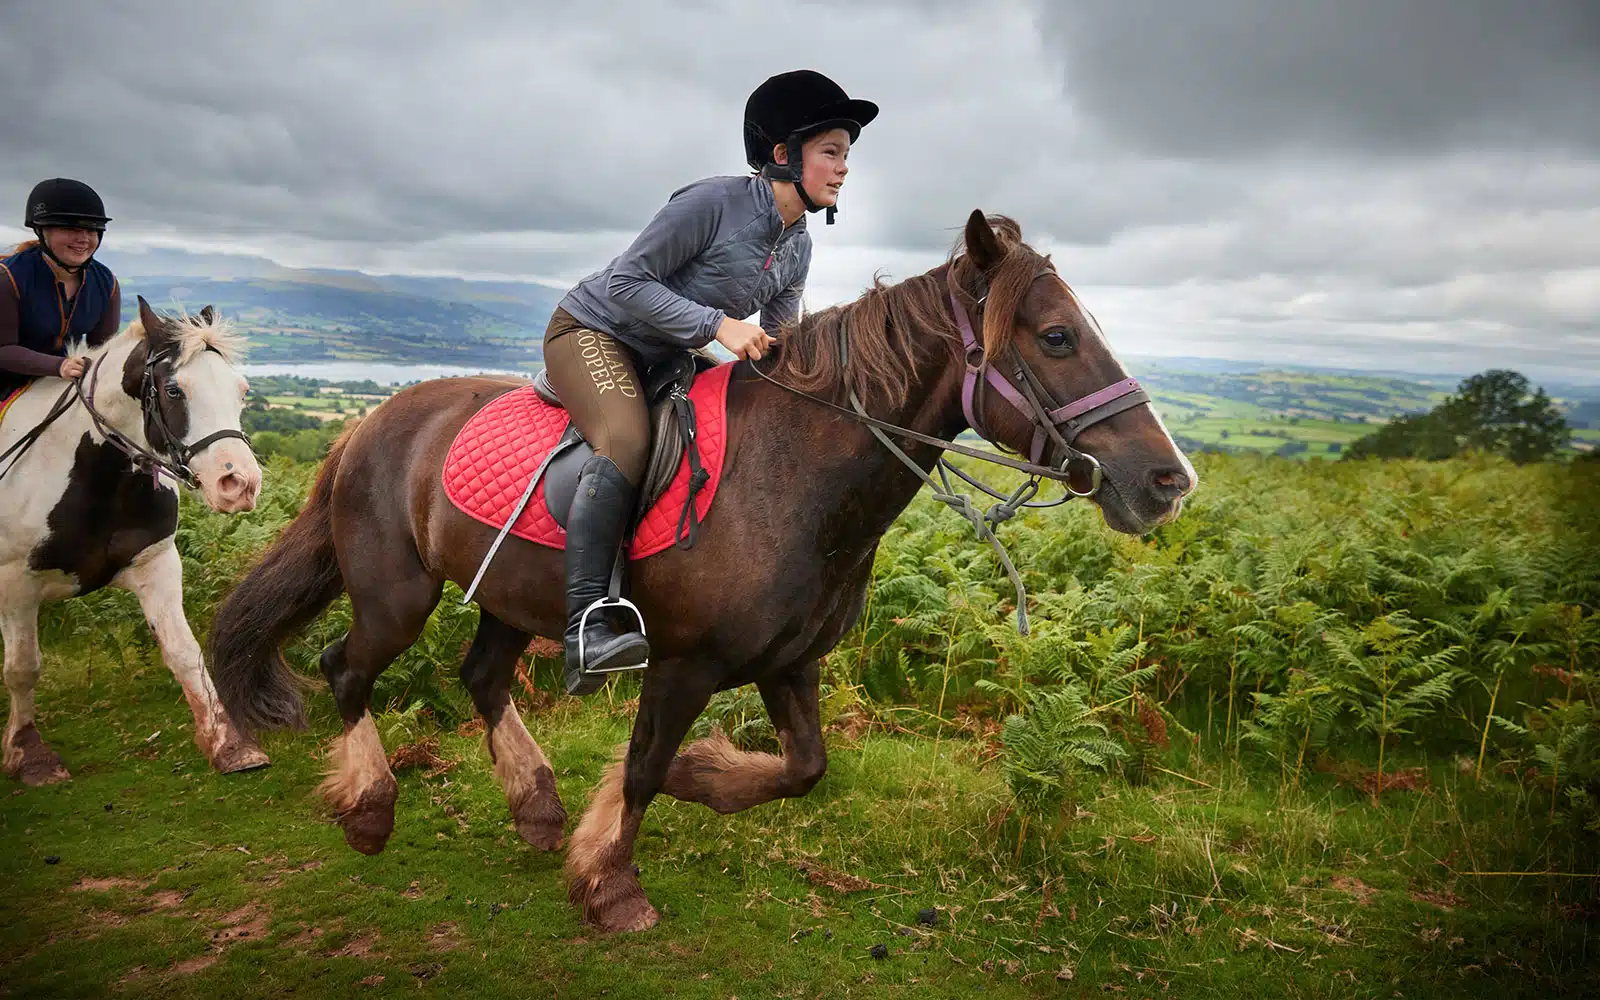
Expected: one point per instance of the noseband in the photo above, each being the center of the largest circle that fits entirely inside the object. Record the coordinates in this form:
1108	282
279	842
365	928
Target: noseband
1058	424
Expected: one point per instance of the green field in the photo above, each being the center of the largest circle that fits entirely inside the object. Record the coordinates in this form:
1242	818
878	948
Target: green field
1243	677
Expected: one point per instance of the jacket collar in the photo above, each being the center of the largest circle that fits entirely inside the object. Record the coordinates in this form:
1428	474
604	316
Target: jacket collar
769	203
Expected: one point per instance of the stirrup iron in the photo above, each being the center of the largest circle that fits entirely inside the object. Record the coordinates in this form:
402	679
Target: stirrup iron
583	623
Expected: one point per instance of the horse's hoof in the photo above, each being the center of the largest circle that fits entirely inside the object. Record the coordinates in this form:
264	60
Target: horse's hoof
368	824
542	833
239	756
636	915
31	760
541	818
614	903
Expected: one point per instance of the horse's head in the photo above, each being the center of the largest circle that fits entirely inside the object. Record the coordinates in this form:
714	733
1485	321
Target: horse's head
183	377
1042	381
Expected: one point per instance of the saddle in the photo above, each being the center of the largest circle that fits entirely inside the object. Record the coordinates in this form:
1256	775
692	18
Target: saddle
673	432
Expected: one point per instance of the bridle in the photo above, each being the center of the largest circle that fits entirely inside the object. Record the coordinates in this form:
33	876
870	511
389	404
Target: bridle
1025	392
1058	424
168	453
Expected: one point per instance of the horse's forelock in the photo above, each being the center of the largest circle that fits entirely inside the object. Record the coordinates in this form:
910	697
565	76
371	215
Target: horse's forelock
196	334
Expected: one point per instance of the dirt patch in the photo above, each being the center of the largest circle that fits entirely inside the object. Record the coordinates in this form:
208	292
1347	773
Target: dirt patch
106	918
248	922
1357	889
360	946
166	899
106	884
309	936
443	937
190	966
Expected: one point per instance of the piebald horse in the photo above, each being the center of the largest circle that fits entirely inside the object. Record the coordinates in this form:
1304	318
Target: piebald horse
778	576
83	507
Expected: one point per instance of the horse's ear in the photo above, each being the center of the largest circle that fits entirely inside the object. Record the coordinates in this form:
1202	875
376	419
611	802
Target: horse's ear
208	315
155	328
983	246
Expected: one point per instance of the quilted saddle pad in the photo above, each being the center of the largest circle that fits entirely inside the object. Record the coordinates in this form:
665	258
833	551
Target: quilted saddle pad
494	455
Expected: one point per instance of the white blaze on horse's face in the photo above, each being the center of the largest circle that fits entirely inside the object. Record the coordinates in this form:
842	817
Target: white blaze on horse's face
230	478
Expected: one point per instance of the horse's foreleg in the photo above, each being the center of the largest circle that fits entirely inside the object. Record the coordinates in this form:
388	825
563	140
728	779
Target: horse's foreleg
27	756
715	773
519	764
601	878
156	578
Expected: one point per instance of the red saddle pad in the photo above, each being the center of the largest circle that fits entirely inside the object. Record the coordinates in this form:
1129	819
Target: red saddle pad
493	456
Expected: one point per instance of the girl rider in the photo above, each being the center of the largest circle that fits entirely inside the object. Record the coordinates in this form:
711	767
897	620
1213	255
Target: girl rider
53	291
721	249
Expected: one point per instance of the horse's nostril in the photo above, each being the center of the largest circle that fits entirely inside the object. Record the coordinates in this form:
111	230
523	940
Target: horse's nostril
1171	483
231	485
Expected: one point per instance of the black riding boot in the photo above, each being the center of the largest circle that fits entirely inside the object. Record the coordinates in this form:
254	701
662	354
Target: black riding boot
599	518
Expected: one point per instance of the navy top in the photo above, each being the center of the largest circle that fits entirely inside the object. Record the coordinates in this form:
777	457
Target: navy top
38	321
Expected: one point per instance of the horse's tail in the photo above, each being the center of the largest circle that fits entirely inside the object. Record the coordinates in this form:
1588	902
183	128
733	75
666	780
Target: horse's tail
294	581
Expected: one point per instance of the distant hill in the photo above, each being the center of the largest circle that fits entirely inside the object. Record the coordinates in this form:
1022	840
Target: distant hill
295	315
307	315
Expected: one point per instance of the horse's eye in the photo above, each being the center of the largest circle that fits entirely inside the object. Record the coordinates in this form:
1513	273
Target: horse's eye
1058	339
173	392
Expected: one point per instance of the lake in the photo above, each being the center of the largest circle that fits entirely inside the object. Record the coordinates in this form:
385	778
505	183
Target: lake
379	372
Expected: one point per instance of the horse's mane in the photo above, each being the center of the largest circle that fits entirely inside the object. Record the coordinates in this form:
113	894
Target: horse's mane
890	329
194	334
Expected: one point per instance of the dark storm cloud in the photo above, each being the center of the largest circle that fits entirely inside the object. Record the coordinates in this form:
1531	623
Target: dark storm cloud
1306	181
1391	76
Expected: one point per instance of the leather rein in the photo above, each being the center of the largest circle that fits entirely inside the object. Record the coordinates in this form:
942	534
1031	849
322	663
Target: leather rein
174	455
1060	425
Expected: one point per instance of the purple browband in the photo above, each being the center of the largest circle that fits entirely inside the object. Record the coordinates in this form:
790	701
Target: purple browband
1061	415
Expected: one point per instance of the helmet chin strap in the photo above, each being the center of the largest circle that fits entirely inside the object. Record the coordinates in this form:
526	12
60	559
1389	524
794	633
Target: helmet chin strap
795	174
44	245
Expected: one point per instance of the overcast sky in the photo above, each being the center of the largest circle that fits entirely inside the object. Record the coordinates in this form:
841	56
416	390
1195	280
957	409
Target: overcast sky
1392	183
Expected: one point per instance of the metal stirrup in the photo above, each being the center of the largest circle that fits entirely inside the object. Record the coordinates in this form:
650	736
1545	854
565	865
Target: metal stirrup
583	623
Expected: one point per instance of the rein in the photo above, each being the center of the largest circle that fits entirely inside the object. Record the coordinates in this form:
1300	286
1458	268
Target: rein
175	456
1032	401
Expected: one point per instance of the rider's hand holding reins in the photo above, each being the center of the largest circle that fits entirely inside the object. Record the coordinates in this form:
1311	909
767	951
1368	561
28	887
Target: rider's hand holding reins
73	367
746	340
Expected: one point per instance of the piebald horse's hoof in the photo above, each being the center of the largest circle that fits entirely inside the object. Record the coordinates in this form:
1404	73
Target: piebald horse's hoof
31	760
241	755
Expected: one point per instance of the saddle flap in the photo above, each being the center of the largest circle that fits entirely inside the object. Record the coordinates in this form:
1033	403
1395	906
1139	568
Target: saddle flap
666	452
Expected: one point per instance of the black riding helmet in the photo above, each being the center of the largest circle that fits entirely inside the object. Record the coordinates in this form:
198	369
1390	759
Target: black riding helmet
61	201
790	108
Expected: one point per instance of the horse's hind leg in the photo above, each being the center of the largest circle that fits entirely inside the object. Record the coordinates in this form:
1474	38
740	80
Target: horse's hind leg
27	757
715	773
519	764
601	878
390	600
156	578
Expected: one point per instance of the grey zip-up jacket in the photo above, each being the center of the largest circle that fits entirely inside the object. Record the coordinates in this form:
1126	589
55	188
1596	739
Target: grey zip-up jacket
718	247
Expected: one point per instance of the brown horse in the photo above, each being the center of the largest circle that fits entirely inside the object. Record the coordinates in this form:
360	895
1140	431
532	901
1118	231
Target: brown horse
778	576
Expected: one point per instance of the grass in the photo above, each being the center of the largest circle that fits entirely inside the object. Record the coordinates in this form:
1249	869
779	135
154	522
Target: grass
1211	880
